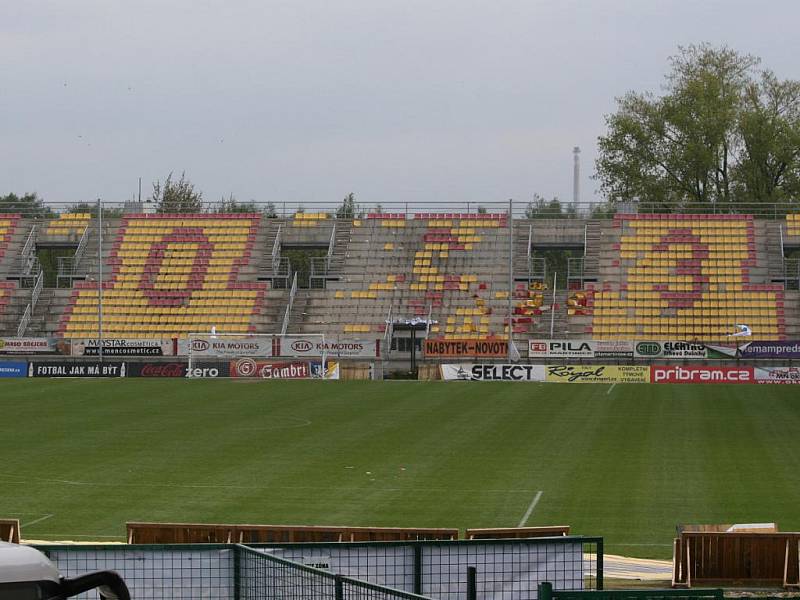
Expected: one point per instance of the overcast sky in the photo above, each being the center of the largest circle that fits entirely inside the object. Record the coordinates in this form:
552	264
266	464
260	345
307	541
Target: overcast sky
306	101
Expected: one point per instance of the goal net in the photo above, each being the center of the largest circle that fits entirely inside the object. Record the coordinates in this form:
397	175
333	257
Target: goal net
254	355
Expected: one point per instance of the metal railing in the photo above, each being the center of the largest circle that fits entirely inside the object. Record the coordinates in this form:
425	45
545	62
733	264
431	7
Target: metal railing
27	256
28	314
24	321
81	249
276	250
289	303
521	209
331	245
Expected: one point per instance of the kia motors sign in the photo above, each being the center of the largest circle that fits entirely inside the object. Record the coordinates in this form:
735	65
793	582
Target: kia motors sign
489	372
580	349
123	347
479	348
228	347
335	347
27	345
701	374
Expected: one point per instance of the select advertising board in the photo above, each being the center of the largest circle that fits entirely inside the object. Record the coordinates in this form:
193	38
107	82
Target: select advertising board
701	374
75	369
580	349
13	369
298	369
490	372
123	347
472	348
298	346
598	374
28	345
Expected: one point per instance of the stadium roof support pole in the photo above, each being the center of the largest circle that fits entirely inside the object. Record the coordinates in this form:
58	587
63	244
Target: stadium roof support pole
100	280
510	271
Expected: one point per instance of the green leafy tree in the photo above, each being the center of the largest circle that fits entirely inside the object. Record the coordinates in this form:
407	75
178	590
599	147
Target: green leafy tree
541	208
270	212
232	205
349	208
109	212
721	132
176	196
28	205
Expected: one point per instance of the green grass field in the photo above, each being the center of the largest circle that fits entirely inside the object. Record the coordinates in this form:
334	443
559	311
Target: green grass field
78	458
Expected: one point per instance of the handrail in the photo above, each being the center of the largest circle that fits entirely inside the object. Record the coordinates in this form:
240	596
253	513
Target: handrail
387	332
37	289
530	241
24	321
289	304
27	253
428	324
783	255
276	250
79	251
331	245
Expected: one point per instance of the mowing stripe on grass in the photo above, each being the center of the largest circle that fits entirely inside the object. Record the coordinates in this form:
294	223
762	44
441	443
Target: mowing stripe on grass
531	506
611	388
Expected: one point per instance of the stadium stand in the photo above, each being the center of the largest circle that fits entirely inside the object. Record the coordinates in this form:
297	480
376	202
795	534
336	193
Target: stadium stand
793	224
69	224
172	275
8	223
684	277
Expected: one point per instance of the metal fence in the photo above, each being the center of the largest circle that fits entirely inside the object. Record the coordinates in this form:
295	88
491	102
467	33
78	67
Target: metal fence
546	592
504	569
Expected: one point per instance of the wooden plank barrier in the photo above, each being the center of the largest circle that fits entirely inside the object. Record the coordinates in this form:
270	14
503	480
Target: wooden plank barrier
195	533
517	532
9	530
733	558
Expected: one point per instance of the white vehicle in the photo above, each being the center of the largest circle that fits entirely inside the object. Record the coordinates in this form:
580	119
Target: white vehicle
27	574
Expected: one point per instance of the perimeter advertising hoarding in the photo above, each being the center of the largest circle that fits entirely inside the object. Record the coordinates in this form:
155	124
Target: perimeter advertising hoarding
298	346
777	375
211	346
489	372
701	374
478	348
123	347
598	374
787	350
676	350
69	368
299	369
580	349
14	369
27	345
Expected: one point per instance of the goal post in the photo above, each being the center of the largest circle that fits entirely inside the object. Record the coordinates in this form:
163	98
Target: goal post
258	354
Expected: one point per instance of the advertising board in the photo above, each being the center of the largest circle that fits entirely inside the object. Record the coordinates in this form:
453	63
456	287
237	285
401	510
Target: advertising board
211	346
27	345
598	374
75	369
13	369
123	347
337	347
580	349
701	374
786	350
777	375
156	369
490	372
300	369
479	348
675	350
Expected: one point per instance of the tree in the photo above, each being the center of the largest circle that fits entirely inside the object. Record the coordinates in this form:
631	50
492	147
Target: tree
91	208
270	212
540	208
176	196
481	210
721	132
349	208
28	205
231	205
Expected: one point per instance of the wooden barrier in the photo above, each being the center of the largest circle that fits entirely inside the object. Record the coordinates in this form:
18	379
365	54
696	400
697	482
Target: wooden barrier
196	533
349	370
9	530
517	532
732	558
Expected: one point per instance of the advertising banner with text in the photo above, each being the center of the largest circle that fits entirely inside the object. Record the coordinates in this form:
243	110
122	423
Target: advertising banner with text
786	350
27	345
777	375
701	374
300	369
580	349
487	372
123	347
480	348
212	346
297	346
675	350
14	369
76	369
598	374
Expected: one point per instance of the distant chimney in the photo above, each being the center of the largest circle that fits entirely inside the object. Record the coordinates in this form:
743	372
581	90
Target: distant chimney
576	176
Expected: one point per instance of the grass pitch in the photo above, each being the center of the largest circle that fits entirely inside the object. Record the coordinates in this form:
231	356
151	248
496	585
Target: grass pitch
78	458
